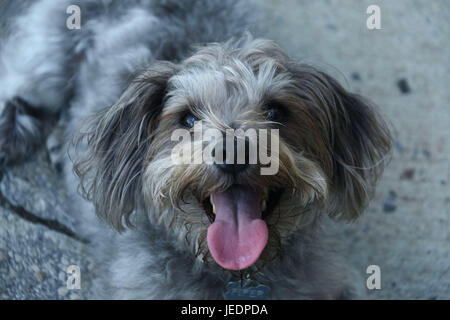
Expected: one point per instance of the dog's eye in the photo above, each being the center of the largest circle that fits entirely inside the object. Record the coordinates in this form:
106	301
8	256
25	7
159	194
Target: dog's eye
275	111
274	114
188	120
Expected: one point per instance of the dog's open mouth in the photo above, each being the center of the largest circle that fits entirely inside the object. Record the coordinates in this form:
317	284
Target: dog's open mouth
238	232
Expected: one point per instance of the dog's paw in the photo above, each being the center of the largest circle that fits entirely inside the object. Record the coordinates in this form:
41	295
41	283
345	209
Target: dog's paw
20	131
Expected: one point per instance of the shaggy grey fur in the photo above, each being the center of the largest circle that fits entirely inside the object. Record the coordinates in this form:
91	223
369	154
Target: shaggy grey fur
78	73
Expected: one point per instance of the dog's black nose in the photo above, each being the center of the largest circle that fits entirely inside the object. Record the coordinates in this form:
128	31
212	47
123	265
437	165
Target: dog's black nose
233	166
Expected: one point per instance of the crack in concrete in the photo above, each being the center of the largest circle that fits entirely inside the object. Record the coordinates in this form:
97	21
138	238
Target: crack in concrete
31	217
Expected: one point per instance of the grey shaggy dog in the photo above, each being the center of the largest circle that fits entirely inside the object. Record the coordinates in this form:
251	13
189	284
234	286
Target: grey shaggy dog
138	70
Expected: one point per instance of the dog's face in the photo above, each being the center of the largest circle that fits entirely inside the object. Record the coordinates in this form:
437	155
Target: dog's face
330	147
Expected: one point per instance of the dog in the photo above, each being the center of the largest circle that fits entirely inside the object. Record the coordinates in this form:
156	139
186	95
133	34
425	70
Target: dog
135	72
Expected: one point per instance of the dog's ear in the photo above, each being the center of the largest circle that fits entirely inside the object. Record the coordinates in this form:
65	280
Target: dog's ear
357	140
117	141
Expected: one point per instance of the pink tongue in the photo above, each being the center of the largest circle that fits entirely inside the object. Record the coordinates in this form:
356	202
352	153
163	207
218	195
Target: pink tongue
238	235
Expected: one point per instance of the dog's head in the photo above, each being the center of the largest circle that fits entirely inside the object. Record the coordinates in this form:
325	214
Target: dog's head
322	149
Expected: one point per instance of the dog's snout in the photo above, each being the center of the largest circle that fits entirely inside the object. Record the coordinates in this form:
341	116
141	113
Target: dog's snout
238	159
